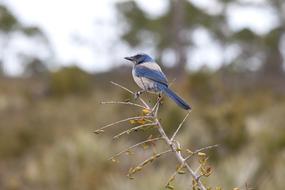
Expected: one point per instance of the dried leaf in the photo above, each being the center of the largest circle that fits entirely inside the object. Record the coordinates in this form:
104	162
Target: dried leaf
201	154
178	149
131	177
202	157
181	172
145	146
146	111
169	186
141	121
136	169
99	131
156	156
207	172
189	151
170	179
130	170
114	160
129	152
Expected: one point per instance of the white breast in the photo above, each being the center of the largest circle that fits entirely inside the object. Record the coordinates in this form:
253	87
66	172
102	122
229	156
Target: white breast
143	82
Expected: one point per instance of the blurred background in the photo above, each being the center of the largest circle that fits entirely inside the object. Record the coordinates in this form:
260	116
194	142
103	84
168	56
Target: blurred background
56	61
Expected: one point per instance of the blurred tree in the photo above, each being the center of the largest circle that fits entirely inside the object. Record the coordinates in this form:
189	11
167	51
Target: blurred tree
70	80
35	67
8	21
172	31
1	68
260	52
11	27
169	32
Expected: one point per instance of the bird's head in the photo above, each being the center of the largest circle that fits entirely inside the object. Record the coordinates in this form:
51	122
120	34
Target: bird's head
139	58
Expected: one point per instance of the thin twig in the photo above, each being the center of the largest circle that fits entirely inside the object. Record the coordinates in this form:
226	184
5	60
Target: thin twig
157	106
128	90
121	121
199	167
126	103
147	161
200	150
128	131
180	125
133	146
172	177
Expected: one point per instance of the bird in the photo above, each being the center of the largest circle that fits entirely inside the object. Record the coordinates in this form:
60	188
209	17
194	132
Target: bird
149	77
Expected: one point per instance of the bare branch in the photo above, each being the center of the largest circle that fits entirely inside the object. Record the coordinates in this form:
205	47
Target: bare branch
128	90
174	145
172	177
125	103
147	161
133	146
121	121
120	86
180	125
133	129
179	156
156	106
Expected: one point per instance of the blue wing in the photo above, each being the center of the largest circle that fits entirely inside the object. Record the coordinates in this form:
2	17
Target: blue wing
154	75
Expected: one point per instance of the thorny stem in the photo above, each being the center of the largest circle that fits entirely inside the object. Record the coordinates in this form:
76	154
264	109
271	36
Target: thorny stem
179	156
123	120
136	145
126	103
200	150
172	177
173	147
128	90
133	129
168	141
149	160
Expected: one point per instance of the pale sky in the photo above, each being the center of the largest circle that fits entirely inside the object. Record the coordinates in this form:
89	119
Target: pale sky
95	21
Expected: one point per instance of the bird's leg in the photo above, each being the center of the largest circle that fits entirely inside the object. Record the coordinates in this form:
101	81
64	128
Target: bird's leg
159	98
138	93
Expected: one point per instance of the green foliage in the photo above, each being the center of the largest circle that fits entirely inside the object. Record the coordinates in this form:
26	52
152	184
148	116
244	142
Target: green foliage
227	124
204	86
70	80
51	139
159	28
8	22
172	117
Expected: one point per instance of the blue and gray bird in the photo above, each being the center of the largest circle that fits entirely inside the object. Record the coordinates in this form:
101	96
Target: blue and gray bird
149	77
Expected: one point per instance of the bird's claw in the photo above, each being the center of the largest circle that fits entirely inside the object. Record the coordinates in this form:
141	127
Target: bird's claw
136	95
159	98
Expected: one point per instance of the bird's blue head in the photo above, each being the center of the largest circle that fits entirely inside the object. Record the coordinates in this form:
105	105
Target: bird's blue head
139	58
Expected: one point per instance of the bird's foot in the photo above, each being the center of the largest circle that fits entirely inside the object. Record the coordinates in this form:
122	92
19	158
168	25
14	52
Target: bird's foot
159	98
137	94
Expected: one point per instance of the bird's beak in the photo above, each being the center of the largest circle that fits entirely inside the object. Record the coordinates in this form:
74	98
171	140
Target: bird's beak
129	58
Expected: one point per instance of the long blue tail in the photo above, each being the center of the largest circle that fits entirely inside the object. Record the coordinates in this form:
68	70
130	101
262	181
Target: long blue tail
179	101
